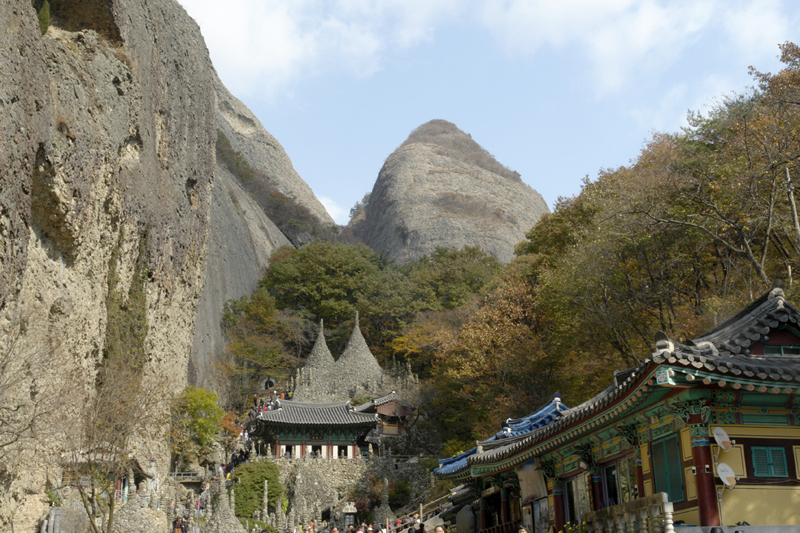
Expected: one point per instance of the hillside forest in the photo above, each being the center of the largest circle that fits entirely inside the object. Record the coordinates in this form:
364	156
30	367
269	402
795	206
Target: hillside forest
697	225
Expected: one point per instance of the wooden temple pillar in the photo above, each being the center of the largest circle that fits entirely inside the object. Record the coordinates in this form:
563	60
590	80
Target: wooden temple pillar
558	504
484	514
597	489
704	468
639	472
505	506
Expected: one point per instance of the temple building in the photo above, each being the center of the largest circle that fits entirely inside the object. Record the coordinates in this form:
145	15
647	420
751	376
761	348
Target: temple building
392	412
704	433
297	429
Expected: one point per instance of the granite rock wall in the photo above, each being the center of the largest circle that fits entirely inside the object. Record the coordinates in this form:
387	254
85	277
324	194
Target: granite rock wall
107	161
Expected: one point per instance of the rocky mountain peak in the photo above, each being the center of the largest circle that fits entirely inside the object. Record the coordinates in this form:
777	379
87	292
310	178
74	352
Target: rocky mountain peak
440	188
450	141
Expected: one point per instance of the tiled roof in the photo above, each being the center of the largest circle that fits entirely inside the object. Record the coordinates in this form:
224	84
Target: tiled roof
317	414
454	464
725	349
519	426
509	438
736	335
375	402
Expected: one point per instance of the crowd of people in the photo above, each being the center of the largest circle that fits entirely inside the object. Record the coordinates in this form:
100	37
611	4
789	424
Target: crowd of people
265	404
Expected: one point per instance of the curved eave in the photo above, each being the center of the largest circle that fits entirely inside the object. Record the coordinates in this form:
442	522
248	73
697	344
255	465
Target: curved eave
365	424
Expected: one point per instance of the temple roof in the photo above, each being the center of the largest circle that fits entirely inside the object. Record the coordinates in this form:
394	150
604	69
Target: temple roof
510	438
725	348
320	356
316	414
749	326
375	402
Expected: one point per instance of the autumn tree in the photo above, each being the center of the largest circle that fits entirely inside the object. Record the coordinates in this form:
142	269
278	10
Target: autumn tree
263	341
497	363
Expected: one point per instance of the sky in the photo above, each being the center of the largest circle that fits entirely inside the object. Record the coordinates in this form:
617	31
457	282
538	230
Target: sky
556	90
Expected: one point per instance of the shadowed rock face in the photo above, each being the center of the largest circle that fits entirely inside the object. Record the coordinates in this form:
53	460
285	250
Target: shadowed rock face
441	189
264	152
108	126
241	236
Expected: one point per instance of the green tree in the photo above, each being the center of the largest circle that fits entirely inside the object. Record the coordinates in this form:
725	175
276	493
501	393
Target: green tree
196	418
321	280
44	17
249	486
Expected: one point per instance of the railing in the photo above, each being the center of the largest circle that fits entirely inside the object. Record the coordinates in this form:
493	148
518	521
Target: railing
187	476
508	527
649	513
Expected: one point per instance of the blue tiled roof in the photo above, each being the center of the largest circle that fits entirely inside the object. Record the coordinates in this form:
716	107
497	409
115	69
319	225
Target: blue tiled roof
514	427
519	426
454	464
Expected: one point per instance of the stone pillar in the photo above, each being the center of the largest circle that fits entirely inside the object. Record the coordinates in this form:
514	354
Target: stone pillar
265	500
704	478
505	507
597	489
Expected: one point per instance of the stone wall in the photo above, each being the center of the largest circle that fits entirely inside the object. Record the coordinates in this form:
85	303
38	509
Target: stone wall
317	484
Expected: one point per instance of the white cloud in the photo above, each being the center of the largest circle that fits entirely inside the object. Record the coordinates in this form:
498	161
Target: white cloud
262	48
340	215
667	114
756	28
618	37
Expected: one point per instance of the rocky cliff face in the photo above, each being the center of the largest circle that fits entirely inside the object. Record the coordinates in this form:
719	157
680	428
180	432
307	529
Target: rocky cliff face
441	189
241	239
108	127
241	236
264	152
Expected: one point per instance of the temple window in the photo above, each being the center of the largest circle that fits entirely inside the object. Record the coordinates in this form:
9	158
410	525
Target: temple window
771	349
666	455
619	482
769	462
576	498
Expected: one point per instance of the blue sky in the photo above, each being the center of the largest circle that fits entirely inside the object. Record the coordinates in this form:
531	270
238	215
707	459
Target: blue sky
556	90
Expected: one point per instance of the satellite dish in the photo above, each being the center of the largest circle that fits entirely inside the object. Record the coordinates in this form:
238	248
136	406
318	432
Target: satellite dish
722	439
726	474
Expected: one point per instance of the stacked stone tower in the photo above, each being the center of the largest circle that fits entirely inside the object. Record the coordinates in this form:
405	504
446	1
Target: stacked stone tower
356	373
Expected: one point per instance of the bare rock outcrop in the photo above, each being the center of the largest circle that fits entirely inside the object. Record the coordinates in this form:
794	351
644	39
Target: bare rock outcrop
107	136
440	188
241	239
264	152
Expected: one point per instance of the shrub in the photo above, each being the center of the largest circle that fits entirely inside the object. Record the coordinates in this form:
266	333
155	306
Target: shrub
399	494
250	486
44	17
